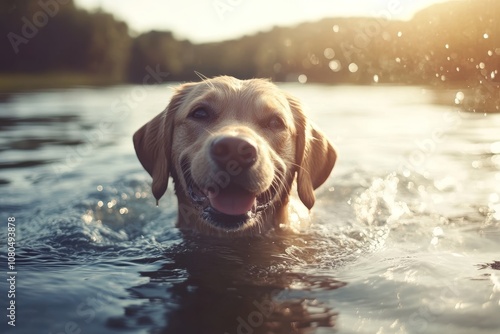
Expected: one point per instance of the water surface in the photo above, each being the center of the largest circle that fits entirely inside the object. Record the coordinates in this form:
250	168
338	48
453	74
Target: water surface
405	234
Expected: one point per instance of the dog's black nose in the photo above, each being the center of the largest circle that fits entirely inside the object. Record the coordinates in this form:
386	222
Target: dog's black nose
240	149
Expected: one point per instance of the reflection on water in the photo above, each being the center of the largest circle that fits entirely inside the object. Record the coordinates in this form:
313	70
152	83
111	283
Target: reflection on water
403	238
231	286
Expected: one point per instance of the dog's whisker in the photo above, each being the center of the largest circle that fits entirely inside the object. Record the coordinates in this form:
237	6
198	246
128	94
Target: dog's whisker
299	167
205	79
202	76
208	131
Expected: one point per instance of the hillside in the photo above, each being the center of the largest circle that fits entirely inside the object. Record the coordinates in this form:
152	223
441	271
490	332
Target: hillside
454	43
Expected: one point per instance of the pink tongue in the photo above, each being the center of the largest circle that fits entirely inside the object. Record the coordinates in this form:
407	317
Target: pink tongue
232	200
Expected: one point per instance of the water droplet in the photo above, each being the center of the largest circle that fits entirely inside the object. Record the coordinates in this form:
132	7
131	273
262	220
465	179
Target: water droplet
100	204
492	75
375	78
496	215
482	65
398	60
459	97
336	28
314	59
495	147
400	33
490	53
302	78
485	36
353	68
443	78
329	53
458	69
438	231
335	65
123	211
99	188
494	197
447	46
88	217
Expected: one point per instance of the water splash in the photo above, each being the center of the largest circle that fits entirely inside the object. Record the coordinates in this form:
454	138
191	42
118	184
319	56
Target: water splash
377	205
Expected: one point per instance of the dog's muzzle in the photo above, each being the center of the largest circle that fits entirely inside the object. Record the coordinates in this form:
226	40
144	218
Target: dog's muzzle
226	203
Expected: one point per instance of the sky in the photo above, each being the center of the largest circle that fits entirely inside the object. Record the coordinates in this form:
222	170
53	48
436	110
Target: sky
214	20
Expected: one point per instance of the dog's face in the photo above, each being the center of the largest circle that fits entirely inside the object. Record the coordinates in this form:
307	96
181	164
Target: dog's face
233	149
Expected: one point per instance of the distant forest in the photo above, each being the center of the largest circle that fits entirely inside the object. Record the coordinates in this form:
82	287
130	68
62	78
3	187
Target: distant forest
450	43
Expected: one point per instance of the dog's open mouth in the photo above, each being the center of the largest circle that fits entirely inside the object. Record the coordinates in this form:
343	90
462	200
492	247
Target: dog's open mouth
229	206
232	200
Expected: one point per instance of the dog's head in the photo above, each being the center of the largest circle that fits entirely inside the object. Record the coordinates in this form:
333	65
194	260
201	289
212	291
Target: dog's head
233	148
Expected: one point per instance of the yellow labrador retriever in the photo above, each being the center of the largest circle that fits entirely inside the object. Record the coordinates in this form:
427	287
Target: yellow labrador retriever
234	148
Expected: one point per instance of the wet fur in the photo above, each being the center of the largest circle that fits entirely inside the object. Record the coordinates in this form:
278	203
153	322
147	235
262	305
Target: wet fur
298	152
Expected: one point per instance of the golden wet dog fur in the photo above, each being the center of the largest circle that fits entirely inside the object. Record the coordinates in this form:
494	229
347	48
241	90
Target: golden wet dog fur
234	149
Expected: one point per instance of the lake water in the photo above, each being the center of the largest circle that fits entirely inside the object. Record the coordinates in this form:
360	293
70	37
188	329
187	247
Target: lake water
405	234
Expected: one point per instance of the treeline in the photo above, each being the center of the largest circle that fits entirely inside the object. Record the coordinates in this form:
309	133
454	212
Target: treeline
455	42
55	35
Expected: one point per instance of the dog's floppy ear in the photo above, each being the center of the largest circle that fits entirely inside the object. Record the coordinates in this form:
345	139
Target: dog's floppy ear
153	143
314	155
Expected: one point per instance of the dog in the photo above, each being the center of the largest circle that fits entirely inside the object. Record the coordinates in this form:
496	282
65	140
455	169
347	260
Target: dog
234	149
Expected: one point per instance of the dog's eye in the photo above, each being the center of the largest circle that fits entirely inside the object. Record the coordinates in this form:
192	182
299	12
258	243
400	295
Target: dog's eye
276	123
199	113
